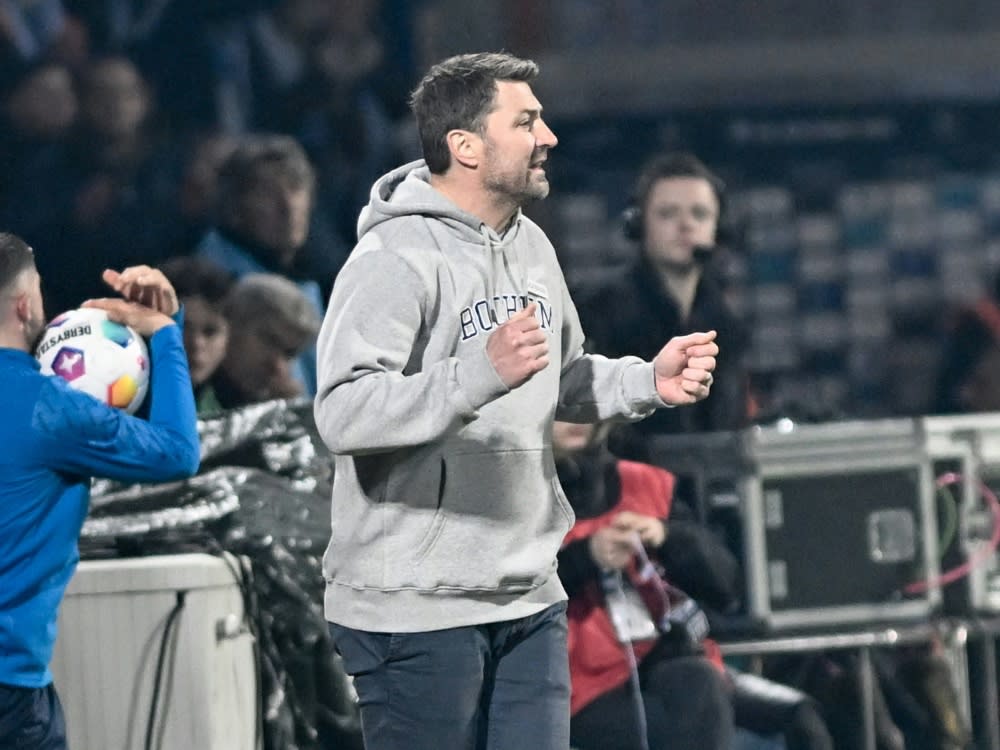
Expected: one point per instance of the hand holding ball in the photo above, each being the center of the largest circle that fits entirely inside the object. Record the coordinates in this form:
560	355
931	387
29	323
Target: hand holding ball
104	359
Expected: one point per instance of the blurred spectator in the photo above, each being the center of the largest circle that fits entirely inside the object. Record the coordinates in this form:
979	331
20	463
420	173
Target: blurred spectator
683	702
264	197
311	69
115	104
264	57
264	202
33	31
672	287
199	184
271	321
626	567
106	196
202	287
969	377
41	102
340	112
39	107
187	51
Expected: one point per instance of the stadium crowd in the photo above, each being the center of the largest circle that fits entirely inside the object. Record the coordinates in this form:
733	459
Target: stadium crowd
233	144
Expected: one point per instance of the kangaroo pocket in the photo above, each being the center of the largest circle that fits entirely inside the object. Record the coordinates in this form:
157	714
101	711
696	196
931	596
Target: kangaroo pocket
499	523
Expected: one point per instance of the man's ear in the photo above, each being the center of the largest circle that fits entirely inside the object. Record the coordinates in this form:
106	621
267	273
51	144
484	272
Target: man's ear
465	147
22	306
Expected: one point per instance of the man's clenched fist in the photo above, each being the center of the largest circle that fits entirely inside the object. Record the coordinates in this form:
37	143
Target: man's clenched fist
519	348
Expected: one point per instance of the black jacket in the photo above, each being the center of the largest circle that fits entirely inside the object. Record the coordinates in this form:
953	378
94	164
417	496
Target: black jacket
631	314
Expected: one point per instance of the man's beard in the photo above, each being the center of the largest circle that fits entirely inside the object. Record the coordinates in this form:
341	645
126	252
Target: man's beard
517	195
516	190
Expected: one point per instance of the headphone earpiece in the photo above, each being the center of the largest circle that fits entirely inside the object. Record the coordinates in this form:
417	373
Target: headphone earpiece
632	223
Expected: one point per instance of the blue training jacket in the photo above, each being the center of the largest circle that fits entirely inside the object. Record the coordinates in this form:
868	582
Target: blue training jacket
52	441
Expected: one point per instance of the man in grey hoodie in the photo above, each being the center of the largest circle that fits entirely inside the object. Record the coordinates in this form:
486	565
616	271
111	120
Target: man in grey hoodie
449	346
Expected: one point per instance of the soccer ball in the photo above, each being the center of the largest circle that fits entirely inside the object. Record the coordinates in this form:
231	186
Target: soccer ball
95	355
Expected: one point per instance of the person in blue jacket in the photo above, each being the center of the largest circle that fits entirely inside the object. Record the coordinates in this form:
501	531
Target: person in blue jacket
52	441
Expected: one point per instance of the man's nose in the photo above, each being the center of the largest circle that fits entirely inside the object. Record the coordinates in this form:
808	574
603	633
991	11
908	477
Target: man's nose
544	135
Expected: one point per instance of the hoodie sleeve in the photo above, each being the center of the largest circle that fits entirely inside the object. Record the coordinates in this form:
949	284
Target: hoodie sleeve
366	402
594	388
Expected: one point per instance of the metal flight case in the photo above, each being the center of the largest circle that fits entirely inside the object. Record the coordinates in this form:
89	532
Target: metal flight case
834	523
965	455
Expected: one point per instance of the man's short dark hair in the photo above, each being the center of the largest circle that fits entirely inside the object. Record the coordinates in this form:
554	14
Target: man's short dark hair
15	256
674	164
262	158
458	93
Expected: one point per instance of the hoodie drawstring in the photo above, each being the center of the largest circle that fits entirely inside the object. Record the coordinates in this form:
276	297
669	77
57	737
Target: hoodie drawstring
514	272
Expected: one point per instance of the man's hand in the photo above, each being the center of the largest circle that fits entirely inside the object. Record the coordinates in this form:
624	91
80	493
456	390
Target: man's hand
612	546
145	320
145	285
652	531
683	368
519	348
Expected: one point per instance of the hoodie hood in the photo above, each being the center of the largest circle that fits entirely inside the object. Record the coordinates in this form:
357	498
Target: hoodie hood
406	191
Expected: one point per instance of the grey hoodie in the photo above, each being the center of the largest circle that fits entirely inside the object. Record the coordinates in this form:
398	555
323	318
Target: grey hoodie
446	506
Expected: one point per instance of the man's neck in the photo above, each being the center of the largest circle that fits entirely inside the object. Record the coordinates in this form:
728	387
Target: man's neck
473	199
680	283
12	339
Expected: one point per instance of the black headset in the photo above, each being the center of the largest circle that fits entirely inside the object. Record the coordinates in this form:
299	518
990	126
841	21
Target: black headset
663	167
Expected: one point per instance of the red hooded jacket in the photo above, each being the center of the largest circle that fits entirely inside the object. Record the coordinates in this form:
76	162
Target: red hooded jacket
597	661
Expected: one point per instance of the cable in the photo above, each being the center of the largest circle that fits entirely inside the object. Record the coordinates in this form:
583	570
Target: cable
168	630
251	611
950	525
242	572
980	556
614	596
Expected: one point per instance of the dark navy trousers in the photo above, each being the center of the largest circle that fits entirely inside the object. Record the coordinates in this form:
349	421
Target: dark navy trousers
31	719
498	686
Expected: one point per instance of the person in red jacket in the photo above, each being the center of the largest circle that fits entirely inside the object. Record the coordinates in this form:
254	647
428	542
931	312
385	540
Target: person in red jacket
627	625
643	674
